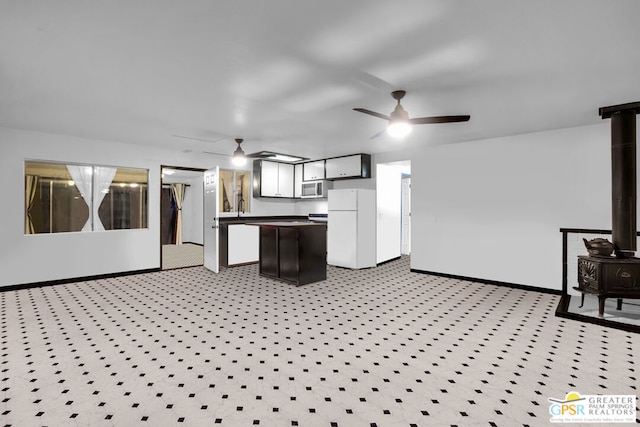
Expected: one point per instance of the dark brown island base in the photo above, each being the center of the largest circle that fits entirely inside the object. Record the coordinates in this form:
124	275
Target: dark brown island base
294	252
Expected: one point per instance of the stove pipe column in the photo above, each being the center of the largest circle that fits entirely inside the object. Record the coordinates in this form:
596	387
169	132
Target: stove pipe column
623	177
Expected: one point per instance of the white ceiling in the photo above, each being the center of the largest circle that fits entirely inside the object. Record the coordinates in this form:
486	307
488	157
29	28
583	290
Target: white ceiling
285	74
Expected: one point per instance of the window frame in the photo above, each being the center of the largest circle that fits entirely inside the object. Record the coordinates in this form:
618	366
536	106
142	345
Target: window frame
234	199
112	176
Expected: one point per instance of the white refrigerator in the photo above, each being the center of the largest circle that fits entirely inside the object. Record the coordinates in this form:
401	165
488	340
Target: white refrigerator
351	240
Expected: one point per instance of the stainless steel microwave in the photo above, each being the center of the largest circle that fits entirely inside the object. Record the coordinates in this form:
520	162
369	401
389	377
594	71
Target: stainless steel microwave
314	189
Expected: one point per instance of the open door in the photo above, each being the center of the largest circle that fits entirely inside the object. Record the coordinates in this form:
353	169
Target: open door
211	229
406	214
388	223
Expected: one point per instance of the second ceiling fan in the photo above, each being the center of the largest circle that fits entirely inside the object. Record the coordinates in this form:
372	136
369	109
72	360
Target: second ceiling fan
399	121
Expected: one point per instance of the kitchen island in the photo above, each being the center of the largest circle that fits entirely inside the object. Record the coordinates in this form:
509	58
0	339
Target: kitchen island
239	242
294	252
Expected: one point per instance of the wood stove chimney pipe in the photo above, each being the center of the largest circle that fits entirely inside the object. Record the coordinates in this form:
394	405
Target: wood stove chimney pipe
623	176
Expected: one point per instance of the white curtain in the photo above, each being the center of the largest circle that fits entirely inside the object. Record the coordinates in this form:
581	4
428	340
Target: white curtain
83	179
178	190
102	178
93	184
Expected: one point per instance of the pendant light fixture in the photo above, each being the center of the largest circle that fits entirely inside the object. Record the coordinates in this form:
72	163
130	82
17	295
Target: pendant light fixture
239	159
399	126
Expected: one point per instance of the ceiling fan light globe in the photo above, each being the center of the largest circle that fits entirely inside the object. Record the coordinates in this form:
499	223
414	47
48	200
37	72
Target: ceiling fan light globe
399	129
238	158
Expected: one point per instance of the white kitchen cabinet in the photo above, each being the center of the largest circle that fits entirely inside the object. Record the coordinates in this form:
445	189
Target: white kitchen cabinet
313	171
285	180
297	180
272	179
243	244
269	179
355	166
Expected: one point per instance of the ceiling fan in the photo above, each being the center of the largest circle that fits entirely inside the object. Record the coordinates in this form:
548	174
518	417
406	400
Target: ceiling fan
399	121
239	158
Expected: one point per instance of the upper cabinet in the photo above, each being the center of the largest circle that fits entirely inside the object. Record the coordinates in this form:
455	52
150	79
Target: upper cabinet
348	167
272	179
285	180
313	171
297	180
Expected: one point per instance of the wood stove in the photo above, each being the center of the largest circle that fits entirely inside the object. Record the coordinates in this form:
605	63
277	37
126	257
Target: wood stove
617	276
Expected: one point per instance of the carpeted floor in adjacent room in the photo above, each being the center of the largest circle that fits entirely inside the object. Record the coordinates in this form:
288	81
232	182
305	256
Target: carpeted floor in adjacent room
180	256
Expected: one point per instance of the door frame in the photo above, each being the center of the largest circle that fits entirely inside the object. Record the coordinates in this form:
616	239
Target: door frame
184	168
397	168
211	220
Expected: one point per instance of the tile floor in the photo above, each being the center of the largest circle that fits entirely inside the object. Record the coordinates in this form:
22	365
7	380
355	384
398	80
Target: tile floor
380	347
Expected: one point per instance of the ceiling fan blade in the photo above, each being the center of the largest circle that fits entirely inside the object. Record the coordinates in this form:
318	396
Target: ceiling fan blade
438	119
377	134
372	113
217	138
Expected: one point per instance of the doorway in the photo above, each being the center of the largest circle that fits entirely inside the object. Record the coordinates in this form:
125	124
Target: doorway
393	200
181	217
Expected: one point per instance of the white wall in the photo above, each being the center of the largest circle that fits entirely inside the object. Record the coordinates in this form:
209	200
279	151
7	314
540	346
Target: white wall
193	211
35	258
488	209
367	184
305	207
492	209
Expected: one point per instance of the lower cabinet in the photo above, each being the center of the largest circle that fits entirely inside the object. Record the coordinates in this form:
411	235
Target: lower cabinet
238	244
294	254
243	244
289	251
269	252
